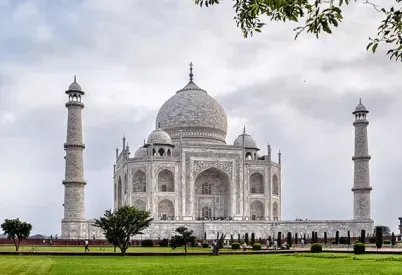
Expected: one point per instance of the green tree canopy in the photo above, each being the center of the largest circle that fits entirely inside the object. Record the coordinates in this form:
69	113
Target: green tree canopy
316	16
185	236
120	225
16	231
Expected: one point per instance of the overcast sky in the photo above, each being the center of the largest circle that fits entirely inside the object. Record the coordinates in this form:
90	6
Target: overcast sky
131	57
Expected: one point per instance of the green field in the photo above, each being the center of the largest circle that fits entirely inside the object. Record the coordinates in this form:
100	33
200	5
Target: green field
323	263
102	249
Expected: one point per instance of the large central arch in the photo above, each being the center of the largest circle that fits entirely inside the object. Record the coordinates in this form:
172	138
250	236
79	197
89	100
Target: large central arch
212	191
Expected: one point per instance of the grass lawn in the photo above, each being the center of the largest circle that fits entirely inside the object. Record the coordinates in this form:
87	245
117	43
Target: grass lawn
102	249
323	263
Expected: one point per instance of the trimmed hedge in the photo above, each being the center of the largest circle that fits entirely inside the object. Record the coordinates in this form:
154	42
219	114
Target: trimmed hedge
387	242
236	245
164	243
256	246
147	243
359	248
316	248
205	244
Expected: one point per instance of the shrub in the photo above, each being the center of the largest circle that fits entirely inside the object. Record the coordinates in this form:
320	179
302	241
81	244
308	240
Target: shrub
372	240
147	243
316	248
256	246
387	242
343	240
359	248
236	245
164	243
205	244
378	237
363	236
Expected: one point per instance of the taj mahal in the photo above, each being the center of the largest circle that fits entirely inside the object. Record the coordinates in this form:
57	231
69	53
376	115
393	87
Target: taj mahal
187	174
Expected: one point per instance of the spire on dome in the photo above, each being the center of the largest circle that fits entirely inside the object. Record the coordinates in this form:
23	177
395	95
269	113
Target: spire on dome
191	71
244	129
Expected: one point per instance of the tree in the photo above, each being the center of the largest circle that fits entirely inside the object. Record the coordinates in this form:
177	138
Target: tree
120	225
185	236
231	239
337	237
16	231
325	238
363	236
289	239
348	237
378	237
296	239
315	17
246	238
279	240
393	239
252	238
218	244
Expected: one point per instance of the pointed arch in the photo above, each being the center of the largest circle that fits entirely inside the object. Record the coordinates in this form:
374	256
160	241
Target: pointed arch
275	185
257	210
125	184
119	192
166	181
161	152
212	189
139	182
257	183
166	210
140	205
249	156
275	211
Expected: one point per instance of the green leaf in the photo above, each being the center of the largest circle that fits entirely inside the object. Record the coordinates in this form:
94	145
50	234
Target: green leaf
374	47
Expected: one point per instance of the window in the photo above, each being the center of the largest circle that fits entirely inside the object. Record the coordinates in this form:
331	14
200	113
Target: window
206	212
164	188
206	189
164	217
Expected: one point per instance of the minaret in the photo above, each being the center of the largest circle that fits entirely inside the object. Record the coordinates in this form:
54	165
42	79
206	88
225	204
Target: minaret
361	187
74	184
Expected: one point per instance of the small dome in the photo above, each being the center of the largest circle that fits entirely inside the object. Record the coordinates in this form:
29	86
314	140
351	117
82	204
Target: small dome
247	140
159	136
74	87
141	152
360	108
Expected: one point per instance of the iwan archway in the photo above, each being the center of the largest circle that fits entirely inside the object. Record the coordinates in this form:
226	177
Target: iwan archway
212	195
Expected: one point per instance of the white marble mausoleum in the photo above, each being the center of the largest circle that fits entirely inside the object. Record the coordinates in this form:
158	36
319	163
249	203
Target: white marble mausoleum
187	174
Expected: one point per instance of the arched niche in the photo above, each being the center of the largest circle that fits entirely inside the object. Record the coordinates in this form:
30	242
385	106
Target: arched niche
257	210
212	189
257	183
139	182
140	205
166	210
125	184
166	181
119	192
275	185
275	211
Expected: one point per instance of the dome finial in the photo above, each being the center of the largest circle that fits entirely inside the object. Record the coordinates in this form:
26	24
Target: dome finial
244	129
75	79
360	100
191	71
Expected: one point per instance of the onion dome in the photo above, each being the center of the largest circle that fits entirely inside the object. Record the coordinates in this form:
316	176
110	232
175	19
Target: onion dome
246	141
141	152
159	136
360	107
193	115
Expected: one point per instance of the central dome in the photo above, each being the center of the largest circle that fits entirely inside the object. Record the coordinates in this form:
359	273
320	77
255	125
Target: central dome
194	115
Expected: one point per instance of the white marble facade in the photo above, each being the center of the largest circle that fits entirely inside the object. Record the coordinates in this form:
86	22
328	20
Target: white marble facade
186	174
